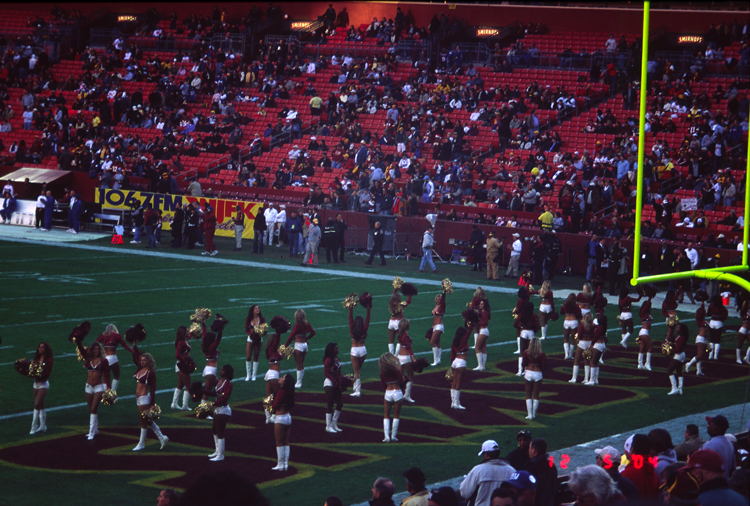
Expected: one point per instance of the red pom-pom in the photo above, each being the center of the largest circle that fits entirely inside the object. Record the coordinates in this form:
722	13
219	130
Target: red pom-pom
408	289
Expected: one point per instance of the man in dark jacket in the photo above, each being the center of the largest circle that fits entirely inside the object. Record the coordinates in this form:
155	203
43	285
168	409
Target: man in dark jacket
382	493
378	237
329	240
259	230
340	248
519	457
293	228
545	474
177	221
477	247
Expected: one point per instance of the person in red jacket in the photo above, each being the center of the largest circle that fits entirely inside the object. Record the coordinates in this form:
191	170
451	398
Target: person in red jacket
281	326
546	306
300	334
523	298
598	345
209	229
641	471
109	340
585	337
459	353
222	411
42	364
358	332
483	333
645	345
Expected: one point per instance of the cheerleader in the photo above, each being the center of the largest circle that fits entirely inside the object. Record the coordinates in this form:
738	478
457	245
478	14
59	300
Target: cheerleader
573	315
145	397
301	333
110	339
42	362
585	335
358	331
396	308
718	314
534	362
97	382
483	334
600	306
254	341
527	324
479	294
393	381
222	411
645	346
598	345
585	298
281	326
674	369
700	339
743	331
332	386
626	314
283	402
459	353
437	327
406	356
546	307
523	297
185	365
210	348
669	310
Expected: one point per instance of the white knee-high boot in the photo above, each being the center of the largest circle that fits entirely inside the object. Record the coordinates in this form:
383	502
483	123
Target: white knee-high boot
566	348
93	426
163	440
115	384
391	348
673	381
219	451
335	421
216	447
248	369
453	399
476	336
286	458
717	347
458	399
175	398
42	421
518	351
640	361
479	362
436	355
35	421
534	408
255	371
394	429
679	385
185	401
575	374
279	459
529	409
387	430
739	358
300	375
329	416
690	364
544	332
357	387
407	391
647	365
624	341
699	369
484	361
142	441
586	374
747	356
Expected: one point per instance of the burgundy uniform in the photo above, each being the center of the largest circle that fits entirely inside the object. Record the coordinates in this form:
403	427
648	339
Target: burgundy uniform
572	309
223	392
532	324
626	302
405	341
272	351
540	361
462	348
645	312
364	327
250	330
718	313
302	329
397	378
112	340
332	370
148	379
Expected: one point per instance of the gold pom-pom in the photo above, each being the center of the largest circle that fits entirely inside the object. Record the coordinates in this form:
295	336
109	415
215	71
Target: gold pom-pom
638	340
268	404
80	357
261	329
449	374
673	320
201	315
22	365
588	354
447	286
286	351
109	397
195	330
204	409
398	283
667	348
36	369
350	300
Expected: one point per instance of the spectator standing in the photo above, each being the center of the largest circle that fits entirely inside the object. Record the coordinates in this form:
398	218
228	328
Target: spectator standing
313	243
519	457
178	220
239	227
428	241
40	202
484	478
259	231
494	247
329	240
515	256
280	225
378	237
209	229
270	213
341	227
293	229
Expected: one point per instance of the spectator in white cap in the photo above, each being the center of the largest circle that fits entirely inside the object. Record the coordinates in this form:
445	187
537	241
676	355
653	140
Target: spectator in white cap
608	458
270	214
280	225
484	478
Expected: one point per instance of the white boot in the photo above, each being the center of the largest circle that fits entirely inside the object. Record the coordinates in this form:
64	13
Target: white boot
458	400
544	332
407	392
699	369
255	371
42	421
357	387
594	378
566	347
142	441
387	430
279	459
601	359
586	374
328	423
391	348
93	426
476	336
647	365
747	356
479	363
219	451
484	361
394	429
690	364
529	409
624	341
286	458
335	421
249	370
520	367
398	349
534	408
575	375
163	440
268	417
717	347
518	351
640	361
175	398
739	359
453	399
185	401
216	447
35	421
300	375
673	381
436	355
679	384
115	384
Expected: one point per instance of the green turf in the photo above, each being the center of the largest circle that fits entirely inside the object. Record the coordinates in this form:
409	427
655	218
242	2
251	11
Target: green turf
47	290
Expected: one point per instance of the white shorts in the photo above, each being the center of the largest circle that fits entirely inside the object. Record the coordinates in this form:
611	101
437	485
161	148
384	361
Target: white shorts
176	369
626	316
439	327
327	383
584	345
249	340
143	400
680	357
285	419
300	347
643	332
527	334
39	385
358	351
545	308
271	375
458	363
700	339
584	312
393	324
101	387
600	346
484	332
223	410
111	359
716	324
532	376
393	395
404	359
570	324
209	370
743	330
